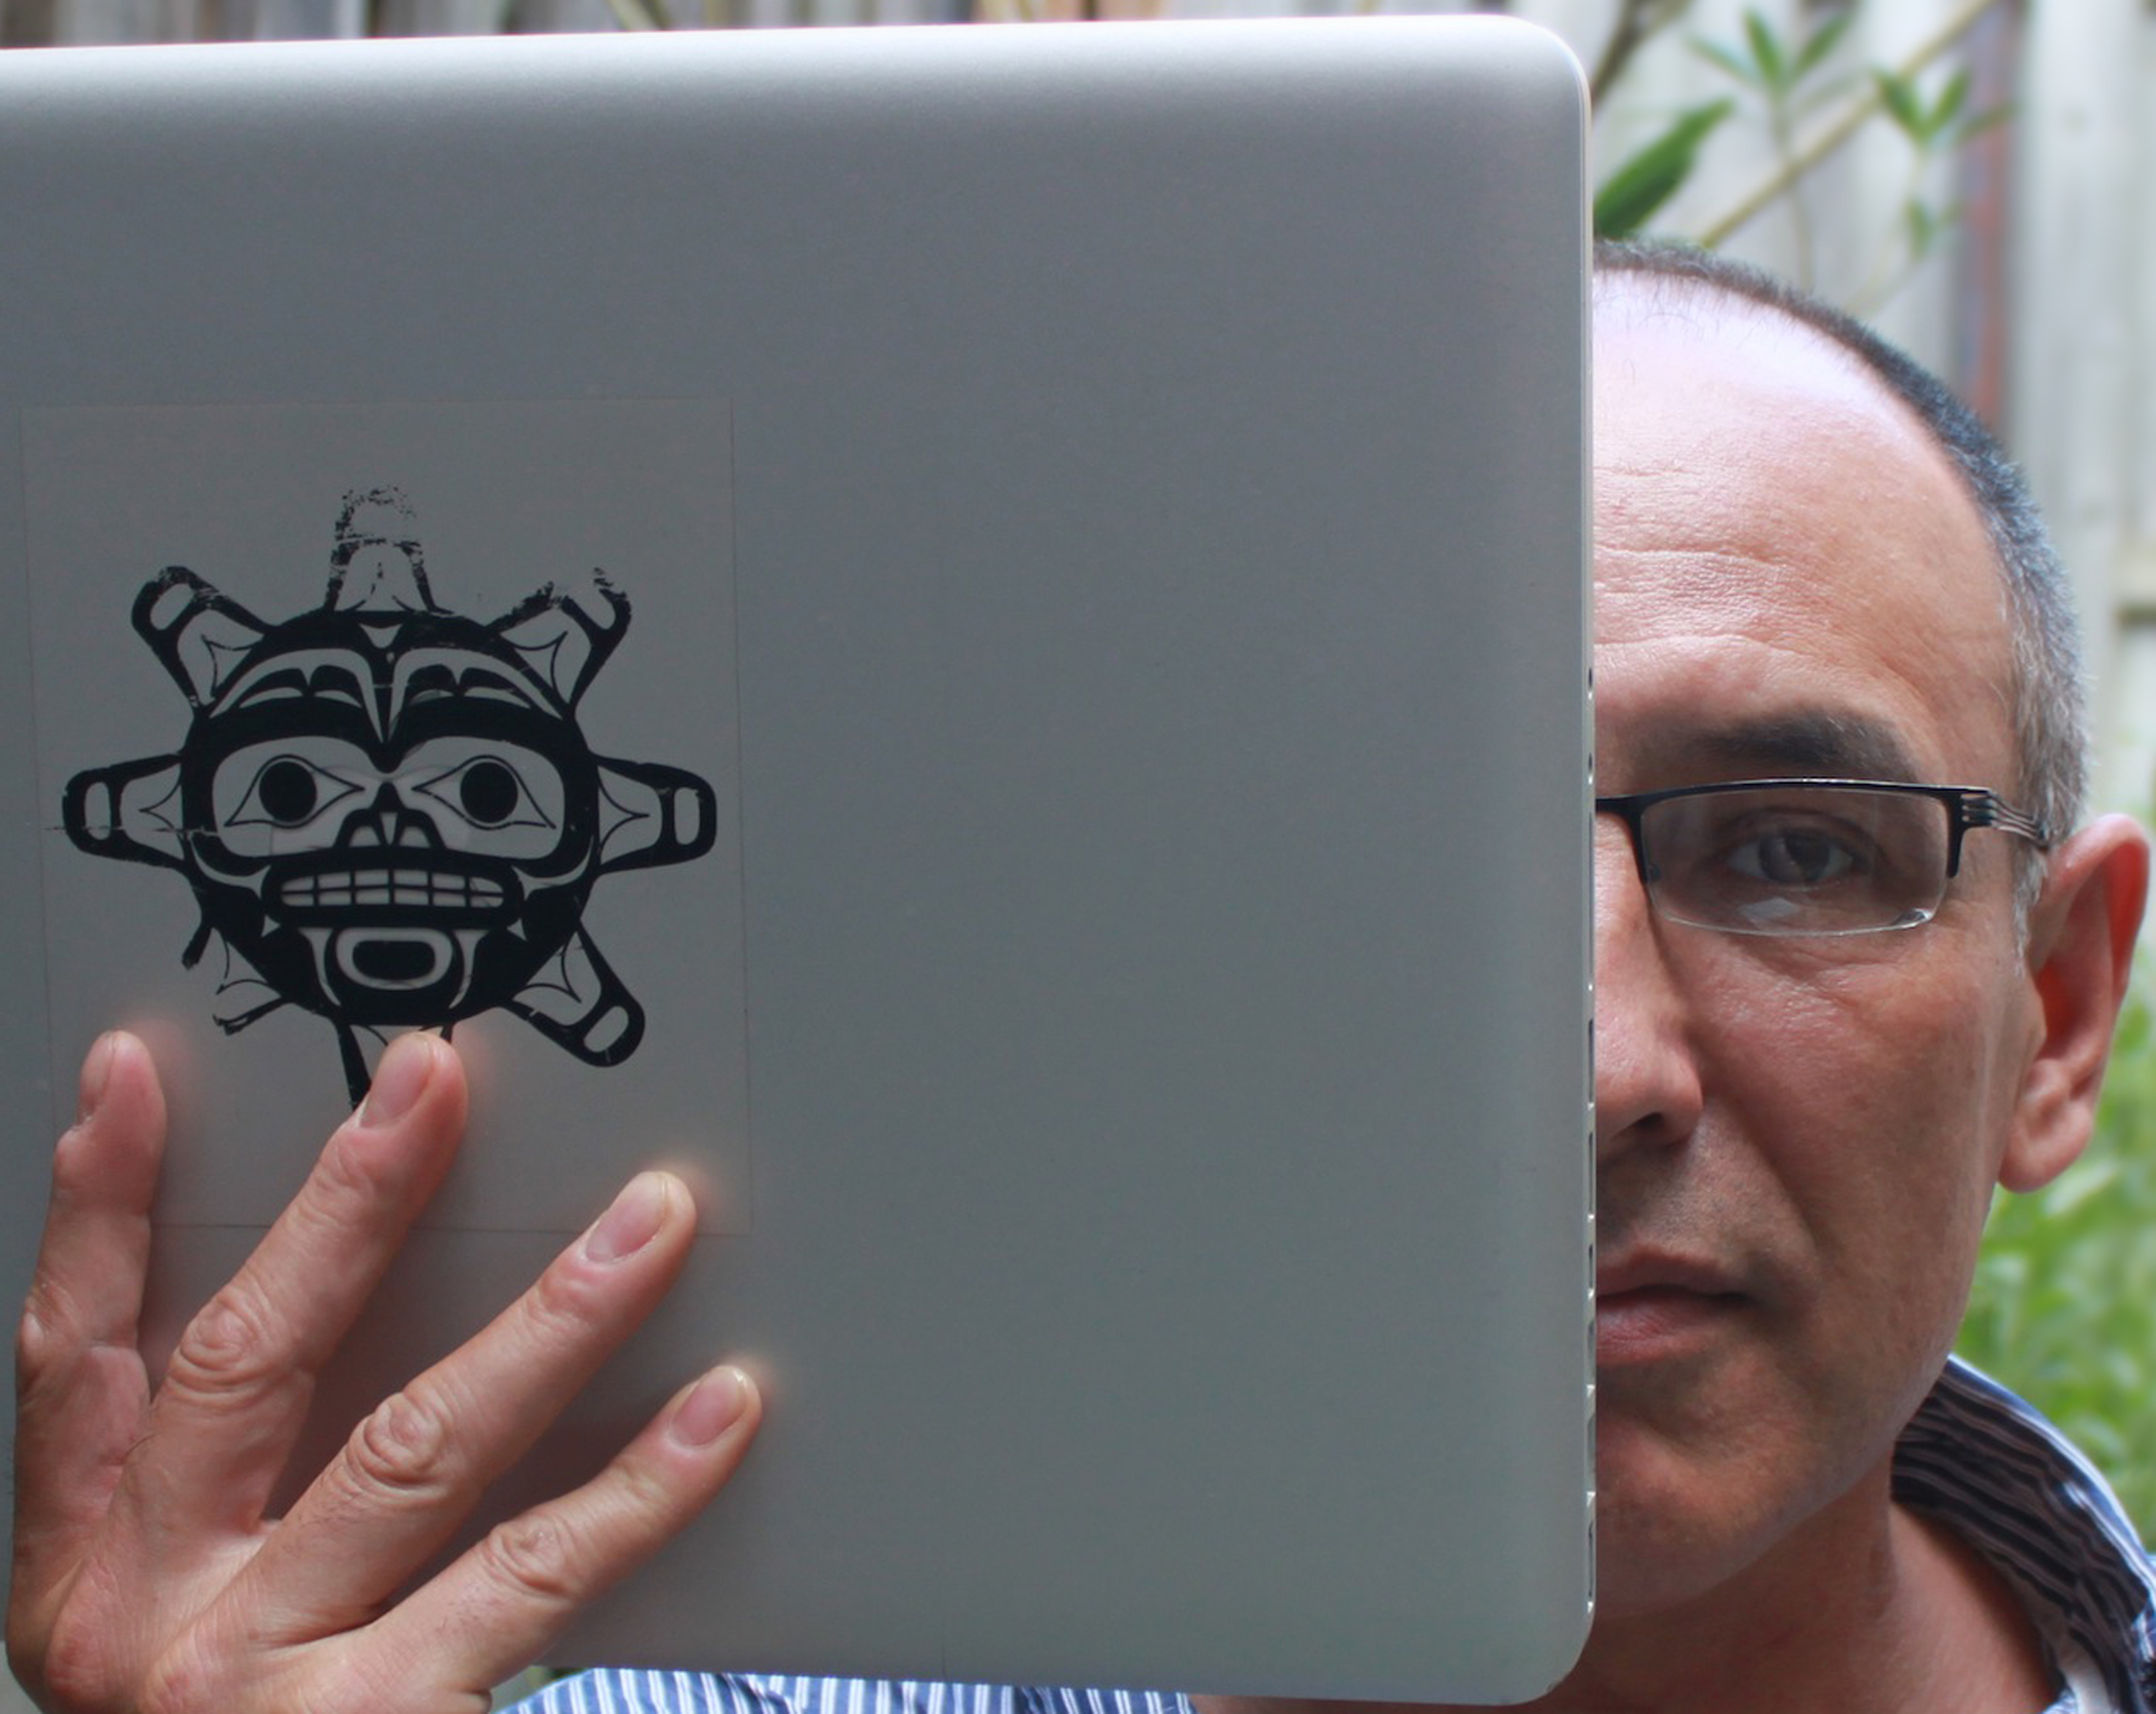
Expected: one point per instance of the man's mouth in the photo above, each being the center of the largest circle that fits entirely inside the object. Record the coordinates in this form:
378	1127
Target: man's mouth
1653	1308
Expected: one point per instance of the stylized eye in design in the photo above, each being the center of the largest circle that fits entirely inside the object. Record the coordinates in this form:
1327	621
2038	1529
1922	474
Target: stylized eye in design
288	791
487	792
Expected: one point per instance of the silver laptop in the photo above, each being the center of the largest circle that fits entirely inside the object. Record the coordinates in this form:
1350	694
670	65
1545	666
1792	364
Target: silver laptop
975	636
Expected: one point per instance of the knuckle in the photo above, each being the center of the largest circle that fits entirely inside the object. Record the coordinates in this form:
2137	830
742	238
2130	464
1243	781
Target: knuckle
231	1346
347	1197
564	1303
406	1446
347	1187
39	1336
643	1491
76	1169
52	1326
534	1557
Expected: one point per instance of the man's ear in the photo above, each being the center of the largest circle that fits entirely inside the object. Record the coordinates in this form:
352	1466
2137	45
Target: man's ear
2080	954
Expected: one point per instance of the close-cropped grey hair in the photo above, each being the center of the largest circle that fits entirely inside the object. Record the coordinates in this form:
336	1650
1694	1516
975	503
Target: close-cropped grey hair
2051	726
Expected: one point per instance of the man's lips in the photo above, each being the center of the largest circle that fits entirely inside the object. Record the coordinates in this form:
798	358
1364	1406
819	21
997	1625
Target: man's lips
1648	1307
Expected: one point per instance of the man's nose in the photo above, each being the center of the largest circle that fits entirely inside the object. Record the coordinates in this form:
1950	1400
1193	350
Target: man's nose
1647	1084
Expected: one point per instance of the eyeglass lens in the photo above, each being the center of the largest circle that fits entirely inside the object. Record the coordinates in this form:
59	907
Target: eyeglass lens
1797	859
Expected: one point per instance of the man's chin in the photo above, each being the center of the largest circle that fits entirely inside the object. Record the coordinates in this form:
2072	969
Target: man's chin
1672	1527
1693	1509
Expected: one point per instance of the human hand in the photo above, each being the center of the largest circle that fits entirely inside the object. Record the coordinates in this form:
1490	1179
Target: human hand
147	1576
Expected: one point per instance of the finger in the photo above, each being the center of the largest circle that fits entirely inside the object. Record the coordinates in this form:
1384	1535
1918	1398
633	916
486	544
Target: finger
80	1385
497	1607
410	1473
236	1391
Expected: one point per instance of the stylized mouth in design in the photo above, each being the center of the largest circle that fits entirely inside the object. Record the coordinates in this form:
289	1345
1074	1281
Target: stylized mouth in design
430	892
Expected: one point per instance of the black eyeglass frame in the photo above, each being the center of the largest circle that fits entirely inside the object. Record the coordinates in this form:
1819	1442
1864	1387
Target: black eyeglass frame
1967	807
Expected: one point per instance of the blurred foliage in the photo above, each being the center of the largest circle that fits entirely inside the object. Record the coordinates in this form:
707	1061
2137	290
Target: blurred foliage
1789	80
2064	1310
1780	81
1632	194
1810	97
1933	128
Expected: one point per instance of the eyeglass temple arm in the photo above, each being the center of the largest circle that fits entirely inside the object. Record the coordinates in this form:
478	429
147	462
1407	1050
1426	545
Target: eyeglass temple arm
1984	808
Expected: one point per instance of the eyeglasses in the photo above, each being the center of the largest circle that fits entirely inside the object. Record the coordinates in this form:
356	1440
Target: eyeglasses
1806	857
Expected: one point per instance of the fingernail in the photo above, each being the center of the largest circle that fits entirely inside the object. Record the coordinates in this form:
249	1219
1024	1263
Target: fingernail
96	1073
713	1407
631	1224
403	1073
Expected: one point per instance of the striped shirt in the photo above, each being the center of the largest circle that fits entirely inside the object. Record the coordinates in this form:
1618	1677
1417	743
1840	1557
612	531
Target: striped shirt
1976	1458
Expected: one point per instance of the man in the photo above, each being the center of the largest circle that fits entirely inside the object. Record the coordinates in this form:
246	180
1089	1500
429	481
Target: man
1830	1021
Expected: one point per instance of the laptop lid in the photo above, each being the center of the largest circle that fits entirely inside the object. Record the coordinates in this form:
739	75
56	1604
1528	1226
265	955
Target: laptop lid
975	637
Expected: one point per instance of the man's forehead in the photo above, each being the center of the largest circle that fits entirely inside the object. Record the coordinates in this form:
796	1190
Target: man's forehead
1789	571
1728	418
1655	333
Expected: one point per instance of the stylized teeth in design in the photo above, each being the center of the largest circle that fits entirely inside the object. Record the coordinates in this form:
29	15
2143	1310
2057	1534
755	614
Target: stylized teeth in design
417	887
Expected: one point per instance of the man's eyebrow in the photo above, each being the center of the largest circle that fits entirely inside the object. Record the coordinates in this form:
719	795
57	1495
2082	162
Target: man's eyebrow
1814	745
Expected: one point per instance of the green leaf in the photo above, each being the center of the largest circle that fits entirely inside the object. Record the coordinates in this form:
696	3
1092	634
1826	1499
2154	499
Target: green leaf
1821	43
1952	99
1903	105
1921	227
1653	174
1766	51
1721	55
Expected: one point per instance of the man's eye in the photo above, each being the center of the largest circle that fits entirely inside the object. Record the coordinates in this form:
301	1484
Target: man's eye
1794	857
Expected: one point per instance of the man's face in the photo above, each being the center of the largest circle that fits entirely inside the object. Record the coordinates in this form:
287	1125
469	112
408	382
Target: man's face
1798	1138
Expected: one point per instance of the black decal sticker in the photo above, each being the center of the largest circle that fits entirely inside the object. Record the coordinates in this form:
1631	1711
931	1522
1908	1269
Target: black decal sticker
387	811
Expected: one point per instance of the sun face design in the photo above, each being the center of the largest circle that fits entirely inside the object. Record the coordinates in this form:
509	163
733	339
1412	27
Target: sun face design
388	812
